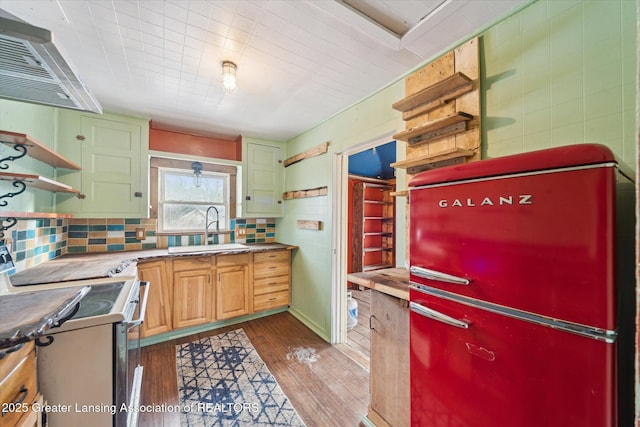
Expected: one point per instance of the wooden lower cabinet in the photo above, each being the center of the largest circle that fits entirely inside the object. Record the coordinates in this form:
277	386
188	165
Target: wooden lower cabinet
389	372
271	279
193	292
188	291
19	386
158	315
232	286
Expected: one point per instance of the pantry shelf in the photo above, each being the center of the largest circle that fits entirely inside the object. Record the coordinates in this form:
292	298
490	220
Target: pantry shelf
27	145
434	96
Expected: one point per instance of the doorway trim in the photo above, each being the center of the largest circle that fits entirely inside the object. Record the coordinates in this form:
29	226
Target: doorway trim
339	215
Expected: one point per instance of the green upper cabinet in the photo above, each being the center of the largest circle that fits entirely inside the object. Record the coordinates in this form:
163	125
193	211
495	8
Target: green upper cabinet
263	178
113	152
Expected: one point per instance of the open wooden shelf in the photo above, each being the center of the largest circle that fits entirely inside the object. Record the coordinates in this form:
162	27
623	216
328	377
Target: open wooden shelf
401	193
29	215
37	181
435	130
422	163
372	267
434	96
37	150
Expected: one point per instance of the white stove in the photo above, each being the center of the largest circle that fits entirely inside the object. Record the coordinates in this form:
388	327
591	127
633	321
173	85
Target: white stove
92	359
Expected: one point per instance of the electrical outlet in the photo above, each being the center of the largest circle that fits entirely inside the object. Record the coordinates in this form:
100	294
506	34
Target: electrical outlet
141	233
242	231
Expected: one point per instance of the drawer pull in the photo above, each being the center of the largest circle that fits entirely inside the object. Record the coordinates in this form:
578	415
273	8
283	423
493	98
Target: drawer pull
273	267
272	283
273	299
23	392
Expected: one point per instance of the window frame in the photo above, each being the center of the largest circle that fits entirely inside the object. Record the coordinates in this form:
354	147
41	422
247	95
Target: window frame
158	163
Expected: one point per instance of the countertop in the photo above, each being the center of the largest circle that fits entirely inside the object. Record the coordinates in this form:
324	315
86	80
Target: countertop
108	264
391	281
29	315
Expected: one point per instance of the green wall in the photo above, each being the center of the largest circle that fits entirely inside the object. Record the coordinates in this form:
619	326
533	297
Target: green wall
555	73
39	122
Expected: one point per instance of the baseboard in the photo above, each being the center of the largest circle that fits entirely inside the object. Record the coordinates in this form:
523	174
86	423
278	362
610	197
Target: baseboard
180	333
310	324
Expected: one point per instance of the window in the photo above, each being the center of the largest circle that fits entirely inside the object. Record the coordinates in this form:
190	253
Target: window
180	206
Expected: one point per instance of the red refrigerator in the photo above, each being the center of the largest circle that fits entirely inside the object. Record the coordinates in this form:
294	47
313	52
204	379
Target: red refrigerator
523	296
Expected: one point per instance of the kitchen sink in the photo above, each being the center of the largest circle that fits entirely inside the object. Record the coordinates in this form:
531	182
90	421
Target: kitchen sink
223	247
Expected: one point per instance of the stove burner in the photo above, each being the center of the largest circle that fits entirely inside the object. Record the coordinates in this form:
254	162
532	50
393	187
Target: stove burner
99	300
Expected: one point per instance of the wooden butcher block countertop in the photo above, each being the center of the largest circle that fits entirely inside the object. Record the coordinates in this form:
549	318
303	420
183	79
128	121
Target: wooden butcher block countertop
391	281
108	264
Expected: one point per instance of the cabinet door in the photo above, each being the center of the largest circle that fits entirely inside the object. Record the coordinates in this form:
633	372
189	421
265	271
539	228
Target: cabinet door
192	297
112	151
158	315
264	185
389	379
232	292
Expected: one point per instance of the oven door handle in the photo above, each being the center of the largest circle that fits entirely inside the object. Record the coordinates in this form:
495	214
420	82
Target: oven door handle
143	307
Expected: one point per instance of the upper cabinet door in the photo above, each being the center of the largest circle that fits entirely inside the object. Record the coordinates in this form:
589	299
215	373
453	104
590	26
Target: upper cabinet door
114	175
264	183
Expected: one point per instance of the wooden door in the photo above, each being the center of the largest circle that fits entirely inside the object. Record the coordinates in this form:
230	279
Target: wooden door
232	292
158	315
111	172
192	297
264	180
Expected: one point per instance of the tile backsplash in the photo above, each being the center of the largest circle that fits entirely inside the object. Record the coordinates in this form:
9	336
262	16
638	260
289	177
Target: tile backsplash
34	241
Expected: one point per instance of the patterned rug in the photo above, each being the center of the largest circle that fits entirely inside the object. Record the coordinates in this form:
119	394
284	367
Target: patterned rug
222	381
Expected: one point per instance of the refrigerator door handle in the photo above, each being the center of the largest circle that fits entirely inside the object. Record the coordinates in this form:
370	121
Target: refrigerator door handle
436	315
438	276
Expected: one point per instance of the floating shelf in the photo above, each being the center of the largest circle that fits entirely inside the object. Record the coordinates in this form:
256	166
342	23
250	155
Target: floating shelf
434	96
401	193
35	150
435	130
45	215
37	181
422	163
377	249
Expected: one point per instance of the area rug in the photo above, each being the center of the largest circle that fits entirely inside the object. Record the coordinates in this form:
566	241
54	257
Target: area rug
222	381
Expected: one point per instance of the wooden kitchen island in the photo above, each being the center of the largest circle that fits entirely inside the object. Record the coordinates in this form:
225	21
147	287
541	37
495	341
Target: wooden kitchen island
389	403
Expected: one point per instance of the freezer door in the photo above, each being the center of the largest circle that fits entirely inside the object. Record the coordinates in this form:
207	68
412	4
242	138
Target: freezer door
541	242
490	370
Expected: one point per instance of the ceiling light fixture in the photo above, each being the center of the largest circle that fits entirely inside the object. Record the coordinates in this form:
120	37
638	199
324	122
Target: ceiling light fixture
229	76
197	173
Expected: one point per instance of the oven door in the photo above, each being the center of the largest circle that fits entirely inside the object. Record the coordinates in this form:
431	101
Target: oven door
128	370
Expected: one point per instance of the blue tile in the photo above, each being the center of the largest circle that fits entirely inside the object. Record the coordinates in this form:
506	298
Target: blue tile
74	227
115	227
97	241
22	235
132	220
97	227
78	234
115	247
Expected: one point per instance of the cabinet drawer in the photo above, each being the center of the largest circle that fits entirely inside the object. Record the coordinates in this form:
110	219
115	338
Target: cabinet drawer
282	255
232	260
270	284
19	387
192	263
272	300
270	269
10	357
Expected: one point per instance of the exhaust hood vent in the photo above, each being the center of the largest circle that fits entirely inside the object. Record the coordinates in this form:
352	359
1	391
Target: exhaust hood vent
33	70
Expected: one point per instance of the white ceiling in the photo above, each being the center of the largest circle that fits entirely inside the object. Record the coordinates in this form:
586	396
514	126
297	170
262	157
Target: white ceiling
299	61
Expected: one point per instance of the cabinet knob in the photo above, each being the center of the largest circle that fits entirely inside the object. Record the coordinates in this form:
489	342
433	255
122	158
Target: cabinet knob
80	137
247	197
137	194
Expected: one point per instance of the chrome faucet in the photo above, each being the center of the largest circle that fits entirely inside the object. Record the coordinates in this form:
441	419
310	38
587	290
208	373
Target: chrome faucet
207	223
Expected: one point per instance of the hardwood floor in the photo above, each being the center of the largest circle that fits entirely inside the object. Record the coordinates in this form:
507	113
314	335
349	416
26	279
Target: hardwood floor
358	339
333	391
